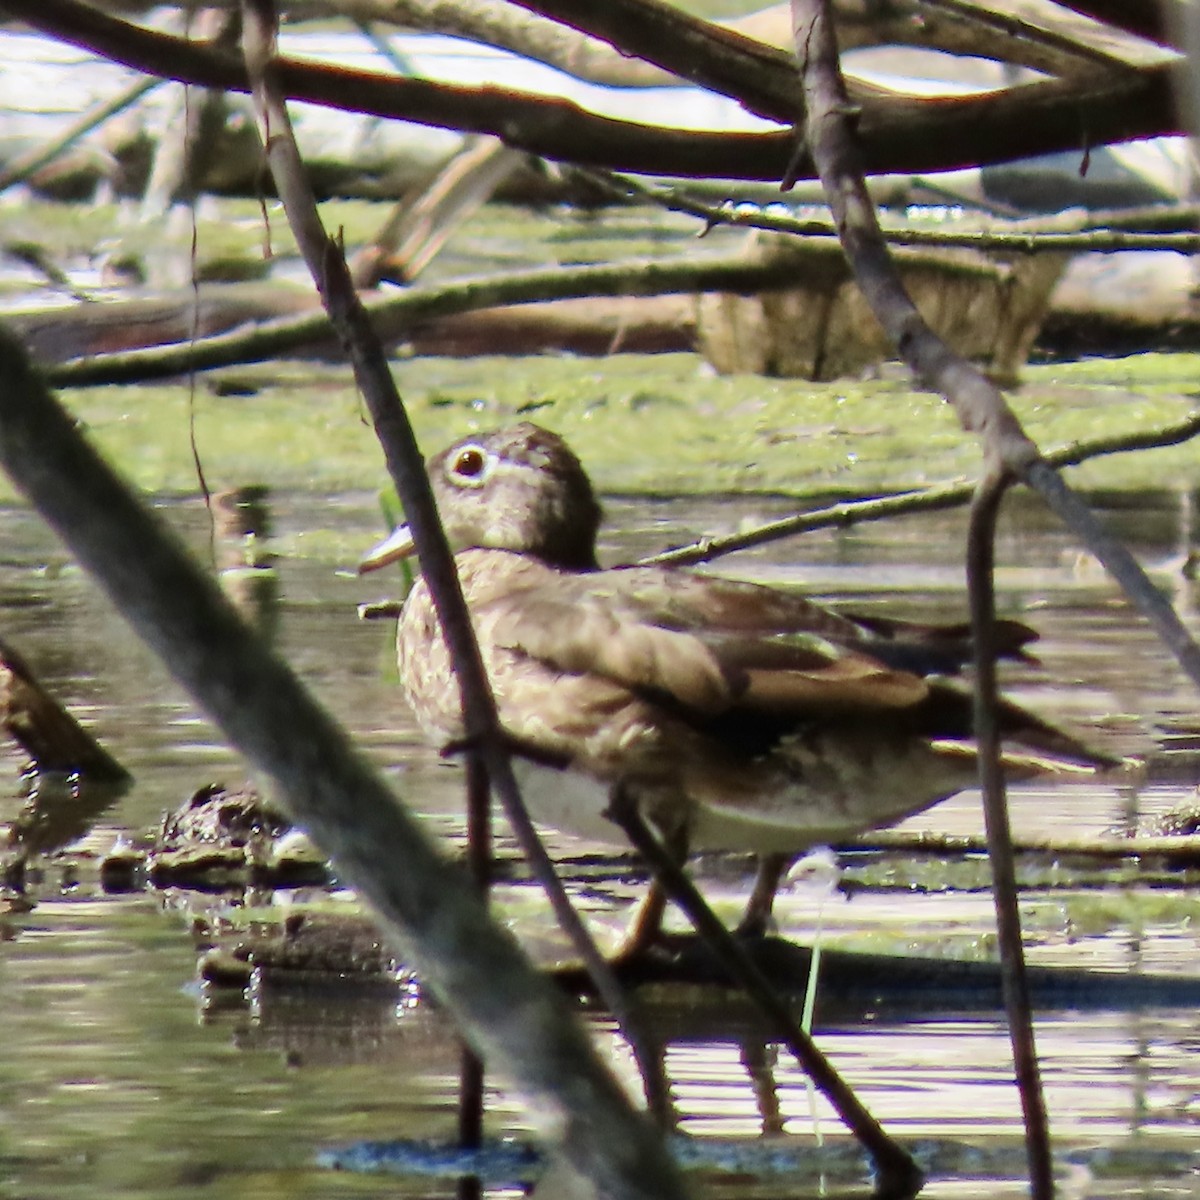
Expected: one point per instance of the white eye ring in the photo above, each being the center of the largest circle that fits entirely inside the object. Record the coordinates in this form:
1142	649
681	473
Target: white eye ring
470	465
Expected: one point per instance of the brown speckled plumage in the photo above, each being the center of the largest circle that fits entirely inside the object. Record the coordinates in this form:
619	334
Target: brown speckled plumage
741	717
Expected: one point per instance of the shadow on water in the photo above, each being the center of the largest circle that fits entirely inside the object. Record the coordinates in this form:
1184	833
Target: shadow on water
126	1072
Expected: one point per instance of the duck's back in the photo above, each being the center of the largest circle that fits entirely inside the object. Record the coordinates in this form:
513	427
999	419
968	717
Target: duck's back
752	744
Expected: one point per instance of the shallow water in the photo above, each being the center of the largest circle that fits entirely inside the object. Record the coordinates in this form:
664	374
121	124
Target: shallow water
123	1075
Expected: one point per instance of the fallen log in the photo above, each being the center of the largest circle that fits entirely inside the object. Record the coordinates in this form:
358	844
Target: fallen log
1108	303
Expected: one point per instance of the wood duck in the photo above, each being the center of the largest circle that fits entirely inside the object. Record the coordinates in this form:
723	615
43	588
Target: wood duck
740	717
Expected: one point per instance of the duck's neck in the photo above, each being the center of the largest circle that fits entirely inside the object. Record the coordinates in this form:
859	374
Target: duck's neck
568	555
576	564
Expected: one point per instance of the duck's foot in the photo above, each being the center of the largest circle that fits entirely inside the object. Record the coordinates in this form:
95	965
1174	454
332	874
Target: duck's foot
645	929
756	921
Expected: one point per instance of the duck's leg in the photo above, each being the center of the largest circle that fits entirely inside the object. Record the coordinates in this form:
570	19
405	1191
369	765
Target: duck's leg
756	919
645	927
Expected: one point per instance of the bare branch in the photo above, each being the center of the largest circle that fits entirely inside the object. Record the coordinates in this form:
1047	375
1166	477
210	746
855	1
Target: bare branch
933	499
898	1175
1091	232
518	1019
979	404
484	736
981	541
1008	453
898	134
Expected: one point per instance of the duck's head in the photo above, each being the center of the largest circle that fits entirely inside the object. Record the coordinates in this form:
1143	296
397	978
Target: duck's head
520	488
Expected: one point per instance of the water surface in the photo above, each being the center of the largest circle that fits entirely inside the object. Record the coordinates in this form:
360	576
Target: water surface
123	1075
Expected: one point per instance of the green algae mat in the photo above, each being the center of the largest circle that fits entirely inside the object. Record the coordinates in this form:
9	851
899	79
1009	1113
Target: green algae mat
653	424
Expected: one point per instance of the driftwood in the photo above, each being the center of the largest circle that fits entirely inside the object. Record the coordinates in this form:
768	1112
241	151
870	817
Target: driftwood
1100	302
72	777
823	328
45	730
1126	94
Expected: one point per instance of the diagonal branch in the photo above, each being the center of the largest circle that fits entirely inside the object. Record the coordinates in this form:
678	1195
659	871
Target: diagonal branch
930	499
516	1017
905	135
484	737
1008	453
898	1174
981	541
979	404
1007	450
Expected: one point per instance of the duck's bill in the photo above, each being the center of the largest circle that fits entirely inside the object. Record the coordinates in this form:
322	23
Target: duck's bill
397	545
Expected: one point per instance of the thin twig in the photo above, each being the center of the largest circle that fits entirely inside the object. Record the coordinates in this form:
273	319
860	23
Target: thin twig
471	1079
898	1175
931	499
329	270
483	735
1077	233
981	540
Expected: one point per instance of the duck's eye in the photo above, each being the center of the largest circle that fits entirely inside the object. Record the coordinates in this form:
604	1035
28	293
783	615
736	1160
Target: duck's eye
470	463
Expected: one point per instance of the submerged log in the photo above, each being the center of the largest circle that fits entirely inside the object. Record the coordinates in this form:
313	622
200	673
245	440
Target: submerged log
72	778
45	730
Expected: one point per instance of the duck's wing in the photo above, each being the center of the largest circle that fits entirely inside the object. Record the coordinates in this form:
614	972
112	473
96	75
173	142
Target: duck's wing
695	670
682	599
691	600
950	646
947	715
751	689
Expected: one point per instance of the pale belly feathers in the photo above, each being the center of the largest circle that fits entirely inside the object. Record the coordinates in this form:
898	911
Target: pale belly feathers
769	810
